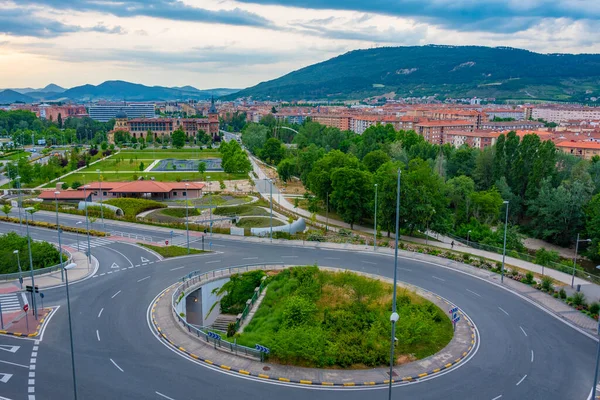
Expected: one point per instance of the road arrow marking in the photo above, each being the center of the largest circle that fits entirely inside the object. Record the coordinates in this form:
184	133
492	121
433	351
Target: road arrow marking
11	349
144	259
5	377
114	265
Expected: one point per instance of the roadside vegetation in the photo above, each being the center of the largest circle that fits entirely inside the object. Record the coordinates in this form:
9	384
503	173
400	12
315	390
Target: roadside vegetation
132	207
172	251
43	253
317	318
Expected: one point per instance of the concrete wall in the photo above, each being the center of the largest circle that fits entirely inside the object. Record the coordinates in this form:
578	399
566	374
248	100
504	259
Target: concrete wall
297	226
207	299
193	306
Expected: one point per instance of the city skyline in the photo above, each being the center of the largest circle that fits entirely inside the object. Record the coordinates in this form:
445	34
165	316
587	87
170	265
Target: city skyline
241	43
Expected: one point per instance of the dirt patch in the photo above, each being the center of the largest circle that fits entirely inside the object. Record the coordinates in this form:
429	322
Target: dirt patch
535	244
405	359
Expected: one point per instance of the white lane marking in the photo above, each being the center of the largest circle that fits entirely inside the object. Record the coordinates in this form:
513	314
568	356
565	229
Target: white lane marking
144	260
115	364
115	295
143	279
98	334
166	397
439	279
32	374
31	382
289	256
250	258
476	294
405	269
34	354
35	348
368	262
16	365
130	267
102	274
175	269
137	265
32	361
100	313
95	276
496	398
24	298
501	309
523	330
212	262
109	272
531	355
521	381
331	258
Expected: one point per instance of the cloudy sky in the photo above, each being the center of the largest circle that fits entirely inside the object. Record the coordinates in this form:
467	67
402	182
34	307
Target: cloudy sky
225	43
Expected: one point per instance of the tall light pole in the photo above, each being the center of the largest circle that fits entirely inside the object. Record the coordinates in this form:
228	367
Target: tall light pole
187	221
19	202
19	264
375	223
30	263
87	228
271	181
468	235
101	206
394	317
427	227
209	206
77	234
504	249
67	268
575	259
62	274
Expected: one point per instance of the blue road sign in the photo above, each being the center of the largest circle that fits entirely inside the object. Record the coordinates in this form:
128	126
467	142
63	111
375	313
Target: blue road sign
456	319
214	335
453	310
262	349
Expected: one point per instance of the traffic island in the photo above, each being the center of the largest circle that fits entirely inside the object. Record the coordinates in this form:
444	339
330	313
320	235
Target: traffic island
24	324
206	347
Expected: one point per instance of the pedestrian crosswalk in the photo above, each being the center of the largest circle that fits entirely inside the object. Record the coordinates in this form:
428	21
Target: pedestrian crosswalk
82	244
9	302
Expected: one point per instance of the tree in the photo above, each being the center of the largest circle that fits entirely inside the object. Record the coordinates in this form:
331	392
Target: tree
486	205
6	209
352	194
460	190
254	137
178	138
286	169
273	151
201	168
142	166
31	211
483	174
319	179
386	179
461	162
592	226
375	159
59	121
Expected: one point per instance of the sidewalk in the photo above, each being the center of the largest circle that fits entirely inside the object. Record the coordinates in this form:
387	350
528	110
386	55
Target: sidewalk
53	279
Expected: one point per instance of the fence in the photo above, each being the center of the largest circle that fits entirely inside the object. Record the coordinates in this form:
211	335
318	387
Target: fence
567	269
131	236
193	280
249	304
36	272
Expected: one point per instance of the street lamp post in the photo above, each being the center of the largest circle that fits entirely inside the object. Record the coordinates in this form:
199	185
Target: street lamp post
468	235
19	203
394	317
77	233
62	274
375	223
101	206
187	223
575	259
30	263
209	206
504	250
427	227
67	268
87	227
271	181
19	264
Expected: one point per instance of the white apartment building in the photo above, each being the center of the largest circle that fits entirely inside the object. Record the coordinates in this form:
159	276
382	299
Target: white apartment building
560	114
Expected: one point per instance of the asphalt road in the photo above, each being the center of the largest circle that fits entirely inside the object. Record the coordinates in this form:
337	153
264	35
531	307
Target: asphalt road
525	353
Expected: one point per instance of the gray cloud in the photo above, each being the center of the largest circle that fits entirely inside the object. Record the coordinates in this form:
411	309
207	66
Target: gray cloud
496	16
165	9
17	22
366	34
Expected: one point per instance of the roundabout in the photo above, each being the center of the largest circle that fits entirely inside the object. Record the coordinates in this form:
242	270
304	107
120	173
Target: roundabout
522	352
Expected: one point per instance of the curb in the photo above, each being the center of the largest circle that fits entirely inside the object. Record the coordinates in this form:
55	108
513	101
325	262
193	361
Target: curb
406	379
37	329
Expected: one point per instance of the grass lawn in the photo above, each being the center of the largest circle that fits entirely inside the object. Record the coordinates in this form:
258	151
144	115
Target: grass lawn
172	251
160	154
179	212
15	156
243	210
316	318
132	207
158	176
258	222
119	164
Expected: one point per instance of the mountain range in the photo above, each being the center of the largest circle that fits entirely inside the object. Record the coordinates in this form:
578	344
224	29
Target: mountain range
442	71
110	91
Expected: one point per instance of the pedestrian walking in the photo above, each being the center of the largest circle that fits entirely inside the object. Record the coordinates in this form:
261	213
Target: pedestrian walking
452	244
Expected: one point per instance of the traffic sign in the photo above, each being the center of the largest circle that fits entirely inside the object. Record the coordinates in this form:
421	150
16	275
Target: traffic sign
41	295
26	307
456	319
30	289
262	349
213	335
453	310
166	242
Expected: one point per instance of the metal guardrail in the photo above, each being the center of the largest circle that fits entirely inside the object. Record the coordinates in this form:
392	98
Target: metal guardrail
249	304
40	271
131	236
195	278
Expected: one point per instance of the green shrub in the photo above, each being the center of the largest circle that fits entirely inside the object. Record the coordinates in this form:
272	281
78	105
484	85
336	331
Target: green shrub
562	294
466	256
132	207
315	236
547	283
231	329
546	257
594	308
528	278
43	253
555	295
579	299
298	311
239	288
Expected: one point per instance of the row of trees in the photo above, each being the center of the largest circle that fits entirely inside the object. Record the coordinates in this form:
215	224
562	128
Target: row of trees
552	195
233	158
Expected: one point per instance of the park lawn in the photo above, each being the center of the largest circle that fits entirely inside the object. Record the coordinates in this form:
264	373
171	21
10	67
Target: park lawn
158	176
243	210
119	164
160	154
15	156
172	251
258	222
219	200
315	318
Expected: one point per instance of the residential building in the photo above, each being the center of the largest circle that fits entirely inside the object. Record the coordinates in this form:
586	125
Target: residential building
433	131
585	150
476	139
559	114
517	114
105	112
511	125
342	122
65	196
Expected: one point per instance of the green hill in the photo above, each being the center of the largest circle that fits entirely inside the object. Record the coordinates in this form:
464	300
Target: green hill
445	71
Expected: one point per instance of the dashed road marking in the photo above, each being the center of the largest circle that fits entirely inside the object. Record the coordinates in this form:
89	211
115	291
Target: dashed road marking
212	262
143	279
98	334
115	295
175	269
531	355
368	262
521	381
501	309
100	313
524	333
476	294
115	364
439	279
250	258
164	396
496	398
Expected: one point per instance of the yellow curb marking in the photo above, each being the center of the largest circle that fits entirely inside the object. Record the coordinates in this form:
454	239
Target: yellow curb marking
302	381
284	379
241	371
228	368
349	383
263	376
